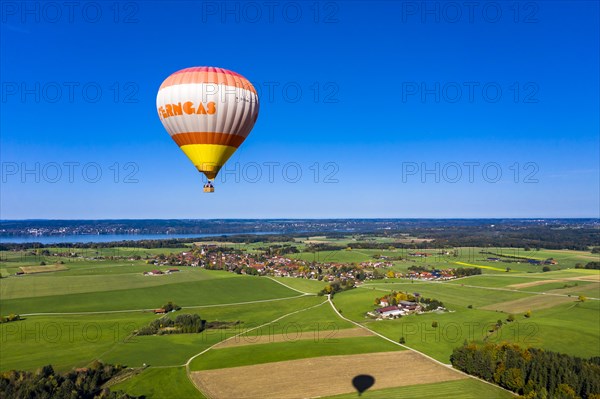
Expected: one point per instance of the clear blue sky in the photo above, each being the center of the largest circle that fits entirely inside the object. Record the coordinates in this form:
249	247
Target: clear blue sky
387	89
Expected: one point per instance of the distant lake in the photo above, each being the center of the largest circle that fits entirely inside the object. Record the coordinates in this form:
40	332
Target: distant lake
85	238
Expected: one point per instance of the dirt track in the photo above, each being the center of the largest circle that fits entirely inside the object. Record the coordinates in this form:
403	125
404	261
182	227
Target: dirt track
322	376
532	283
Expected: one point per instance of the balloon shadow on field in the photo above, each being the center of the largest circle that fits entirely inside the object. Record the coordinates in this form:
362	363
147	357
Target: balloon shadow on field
362	382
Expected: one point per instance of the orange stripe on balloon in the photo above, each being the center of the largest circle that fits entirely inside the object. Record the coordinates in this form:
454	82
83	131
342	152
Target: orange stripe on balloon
206	76
207	69
232	140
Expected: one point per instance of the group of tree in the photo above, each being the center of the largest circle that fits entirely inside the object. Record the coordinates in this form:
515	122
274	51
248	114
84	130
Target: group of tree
323	247
533	373
589	265
279	249
83	383
183	324
335	286
170	306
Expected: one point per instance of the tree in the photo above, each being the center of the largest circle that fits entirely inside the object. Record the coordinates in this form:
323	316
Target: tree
402	340
546	269
528	314
434	324
565	391
582	298
510	318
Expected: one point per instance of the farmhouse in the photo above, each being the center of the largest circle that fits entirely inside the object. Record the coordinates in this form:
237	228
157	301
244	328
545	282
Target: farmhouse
172	270
409	306
389	312
153	273
160	311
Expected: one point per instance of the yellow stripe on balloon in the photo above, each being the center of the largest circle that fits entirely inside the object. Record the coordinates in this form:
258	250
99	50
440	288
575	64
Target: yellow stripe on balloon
208	158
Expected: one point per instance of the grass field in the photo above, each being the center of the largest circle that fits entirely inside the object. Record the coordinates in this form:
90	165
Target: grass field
73	341
160	384
553	316
460	389
34	286
185	293
303	328
303	284
289	350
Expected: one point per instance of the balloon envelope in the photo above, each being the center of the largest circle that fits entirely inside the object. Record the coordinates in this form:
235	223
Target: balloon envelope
208	112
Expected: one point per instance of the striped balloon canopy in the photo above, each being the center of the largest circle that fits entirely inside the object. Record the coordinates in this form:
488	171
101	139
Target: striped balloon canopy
208	112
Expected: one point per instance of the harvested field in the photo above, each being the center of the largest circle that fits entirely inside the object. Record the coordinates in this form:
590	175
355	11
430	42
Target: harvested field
322	376
532	283
529	303
267	339
43	269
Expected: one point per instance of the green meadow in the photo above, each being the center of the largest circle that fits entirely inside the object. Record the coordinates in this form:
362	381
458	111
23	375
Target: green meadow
568	326
289	350
160	383
460	389
91	310
232	289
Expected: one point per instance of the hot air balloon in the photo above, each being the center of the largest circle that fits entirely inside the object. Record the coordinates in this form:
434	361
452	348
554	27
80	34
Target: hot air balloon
208	112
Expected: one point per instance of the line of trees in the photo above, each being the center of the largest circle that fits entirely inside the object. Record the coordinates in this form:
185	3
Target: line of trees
467	271
183	324
533	373
458	272
83	383
589	265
